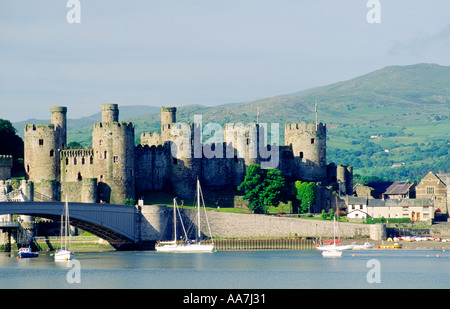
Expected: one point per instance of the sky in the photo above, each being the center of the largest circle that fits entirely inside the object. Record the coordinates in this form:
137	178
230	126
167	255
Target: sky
208	52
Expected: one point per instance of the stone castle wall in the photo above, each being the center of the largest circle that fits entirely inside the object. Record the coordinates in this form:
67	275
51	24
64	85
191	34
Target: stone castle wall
6	163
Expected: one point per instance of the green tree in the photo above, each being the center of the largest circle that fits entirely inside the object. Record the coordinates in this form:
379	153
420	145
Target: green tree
306	194
263	188
11	144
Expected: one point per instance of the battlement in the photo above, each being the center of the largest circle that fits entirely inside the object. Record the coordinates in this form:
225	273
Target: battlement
153	149
114	125
6	161
39	127
150	139
305	127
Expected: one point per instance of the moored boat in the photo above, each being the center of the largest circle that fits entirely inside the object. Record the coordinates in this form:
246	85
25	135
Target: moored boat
332	253
26	252
366	245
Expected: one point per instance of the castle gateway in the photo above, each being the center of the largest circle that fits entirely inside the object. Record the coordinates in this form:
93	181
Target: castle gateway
114	169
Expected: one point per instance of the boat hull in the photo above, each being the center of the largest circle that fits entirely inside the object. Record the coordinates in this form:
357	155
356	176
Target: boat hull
332	253
332	247
63	255
28	255
189	248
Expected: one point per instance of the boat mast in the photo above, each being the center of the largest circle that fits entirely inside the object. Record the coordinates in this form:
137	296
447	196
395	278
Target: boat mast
198	208
174	221
66	223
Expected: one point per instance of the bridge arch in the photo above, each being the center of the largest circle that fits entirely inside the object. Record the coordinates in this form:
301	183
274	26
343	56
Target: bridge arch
114	223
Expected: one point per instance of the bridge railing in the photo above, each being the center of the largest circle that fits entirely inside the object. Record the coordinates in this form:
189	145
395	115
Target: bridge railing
9	224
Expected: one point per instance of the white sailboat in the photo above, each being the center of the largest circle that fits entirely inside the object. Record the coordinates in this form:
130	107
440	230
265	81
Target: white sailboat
63	254
331	250
189	246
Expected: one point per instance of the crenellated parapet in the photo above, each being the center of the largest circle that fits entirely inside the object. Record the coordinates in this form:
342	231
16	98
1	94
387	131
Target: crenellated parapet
6	161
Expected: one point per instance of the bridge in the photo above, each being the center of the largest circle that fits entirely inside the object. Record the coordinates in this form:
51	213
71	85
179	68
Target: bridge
114	223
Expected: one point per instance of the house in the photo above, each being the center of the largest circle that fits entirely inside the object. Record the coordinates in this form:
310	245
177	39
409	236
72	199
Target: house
435	187
392	189
360	208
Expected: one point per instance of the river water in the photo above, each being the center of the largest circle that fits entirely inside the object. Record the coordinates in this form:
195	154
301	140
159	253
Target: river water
278	269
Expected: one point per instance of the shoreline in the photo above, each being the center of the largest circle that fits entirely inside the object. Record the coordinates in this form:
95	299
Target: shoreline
406	245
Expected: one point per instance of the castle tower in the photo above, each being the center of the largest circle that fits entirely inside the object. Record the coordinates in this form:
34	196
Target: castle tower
168	119
110	113
58	118
308	142
113	155
42	145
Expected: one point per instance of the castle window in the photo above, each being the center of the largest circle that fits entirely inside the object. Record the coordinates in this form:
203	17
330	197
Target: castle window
91	160
100	142
79	177
41	142
74	161
116	159
82	160
301	154
52	153
105	155
28	168
430	190
67	161
312	141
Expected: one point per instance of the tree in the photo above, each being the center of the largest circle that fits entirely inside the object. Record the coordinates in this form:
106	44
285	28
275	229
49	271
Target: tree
263	188
11	144
306	194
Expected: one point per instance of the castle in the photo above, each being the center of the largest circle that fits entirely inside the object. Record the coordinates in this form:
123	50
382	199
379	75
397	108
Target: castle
114	169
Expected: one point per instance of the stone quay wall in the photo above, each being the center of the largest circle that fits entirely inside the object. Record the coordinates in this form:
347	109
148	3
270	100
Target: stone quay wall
157	224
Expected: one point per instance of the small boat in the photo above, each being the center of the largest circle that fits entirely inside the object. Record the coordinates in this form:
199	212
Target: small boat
394	246
189	246
27	253
331	250
366	245
335	247
332	253
332	244
64	254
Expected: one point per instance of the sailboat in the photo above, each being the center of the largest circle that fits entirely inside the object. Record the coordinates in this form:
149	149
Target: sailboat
63	254
331	250
189	246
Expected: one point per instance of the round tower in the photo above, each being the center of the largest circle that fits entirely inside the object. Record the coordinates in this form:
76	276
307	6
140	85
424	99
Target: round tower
168	118
58	118
41	158
110	113
113	147
308	142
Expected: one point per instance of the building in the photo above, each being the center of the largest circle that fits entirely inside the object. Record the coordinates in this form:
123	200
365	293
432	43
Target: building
360	208
435	187
386	190
114	168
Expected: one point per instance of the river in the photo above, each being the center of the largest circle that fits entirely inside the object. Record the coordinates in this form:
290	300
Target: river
277	269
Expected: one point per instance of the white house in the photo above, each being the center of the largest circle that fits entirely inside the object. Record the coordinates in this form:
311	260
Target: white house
360	208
